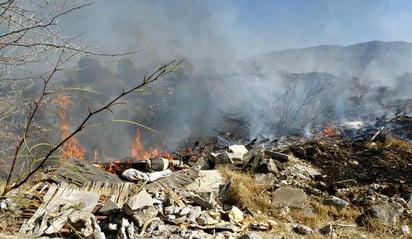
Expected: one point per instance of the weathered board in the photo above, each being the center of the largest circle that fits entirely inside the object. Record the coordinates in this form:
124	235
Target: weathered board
53	213
81	173
178	179
117	192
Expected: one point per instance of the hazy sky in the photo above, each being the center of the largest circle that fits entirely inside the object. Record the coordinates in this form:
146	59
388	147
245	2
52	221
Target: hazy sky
238	28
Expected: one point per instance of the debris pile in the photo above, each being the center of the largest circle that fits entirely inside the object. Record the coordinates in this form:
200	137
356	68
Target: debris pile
357	182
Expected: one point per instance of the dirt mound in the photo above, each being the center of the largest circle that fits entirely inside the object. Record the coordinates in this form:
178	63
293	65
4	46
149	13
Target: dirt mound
387	160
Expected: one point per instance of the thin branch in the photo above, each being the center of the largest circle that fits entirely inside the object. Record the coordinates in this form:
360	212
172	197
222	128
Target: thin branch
29	124
49	23
153	77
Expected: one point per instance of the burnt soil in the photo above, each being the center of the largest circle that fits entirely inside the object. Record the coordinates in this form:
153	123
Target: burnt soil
386	161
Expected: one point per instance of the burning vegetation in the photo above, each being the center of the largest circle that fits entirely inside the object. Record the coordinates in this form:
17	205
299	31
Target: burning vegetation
72	147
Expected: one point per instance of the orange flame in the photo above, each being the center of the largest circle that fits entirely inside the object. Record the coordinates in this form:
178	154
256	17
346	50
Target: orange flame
330	130
71	148
139	152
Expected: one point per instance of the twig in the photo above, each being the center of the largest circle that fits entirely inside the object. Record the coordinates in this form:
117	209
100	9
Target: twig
29	124
170	67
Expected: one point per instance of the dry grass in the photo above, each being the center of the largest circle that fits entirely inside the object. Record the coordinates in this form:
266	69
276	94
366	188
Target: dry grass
26	201
403	145
244	192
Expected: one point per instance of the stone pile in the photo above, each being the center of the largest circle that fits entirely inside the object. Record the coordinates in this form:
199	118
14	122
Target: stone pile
304	197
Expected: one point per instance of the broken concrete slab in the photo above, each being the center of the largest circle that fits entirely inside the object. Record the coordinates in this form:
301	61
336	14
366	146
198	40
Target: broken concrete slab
108	208
208	181
236	152
290	197
144	215
143	198
205	200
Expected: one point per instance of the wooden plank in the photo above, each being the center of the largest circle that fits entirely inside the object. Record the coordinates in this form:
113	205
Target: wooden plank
178	179
32	225
61	207
52	214
81	172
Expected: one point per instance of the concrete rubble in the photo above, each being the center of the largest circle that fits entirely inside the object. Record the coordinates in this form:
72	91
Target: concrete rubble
304	198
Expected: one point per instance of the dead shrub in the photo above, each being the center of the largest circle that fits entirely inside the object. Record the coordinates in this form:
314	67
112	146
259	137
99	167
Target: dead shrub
244	192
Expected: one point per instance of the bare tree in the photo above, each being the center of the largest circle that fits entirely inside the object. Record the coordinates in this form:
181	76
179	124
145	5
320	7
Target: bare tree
30	40
293	107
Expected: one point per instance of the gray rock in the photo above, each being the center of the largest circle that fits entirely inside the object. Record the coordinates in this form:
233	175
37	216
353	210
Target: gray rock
265	178
267	165
336	202
206	220
220	235
405	230
169	210
198	235
236	215
112	227
387	213
410	201
143	215
170	217
194	213
138	201
206	201
290	197
184	211
222	158
163	231
302	229
109	207
326	230
180	220
85	223
272	168
250	235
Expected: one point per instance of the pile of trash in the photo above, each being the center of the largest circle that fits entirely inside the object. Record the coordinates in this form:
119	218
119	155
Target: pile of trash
356	182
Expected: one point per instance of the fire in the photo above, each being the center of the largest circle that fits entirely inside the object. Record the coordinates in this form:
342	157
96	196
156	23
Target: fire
330	130
71	148
139	152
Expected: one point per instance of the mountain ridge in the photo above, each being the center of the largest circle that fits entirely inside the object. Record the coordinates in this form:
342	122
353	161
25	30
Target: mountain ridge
374	59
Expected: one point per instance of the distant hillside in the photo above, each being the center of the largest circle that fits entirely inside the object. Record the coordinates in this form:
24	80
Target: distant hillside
368	60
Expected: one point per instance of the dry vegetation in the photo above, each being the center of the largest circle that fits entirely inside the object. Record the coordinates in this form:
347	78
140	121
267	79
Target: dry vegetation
246	193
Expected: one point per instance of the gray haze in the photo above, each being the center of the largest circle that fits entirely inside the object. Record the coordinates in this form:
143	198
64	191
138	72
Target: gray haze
225	84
